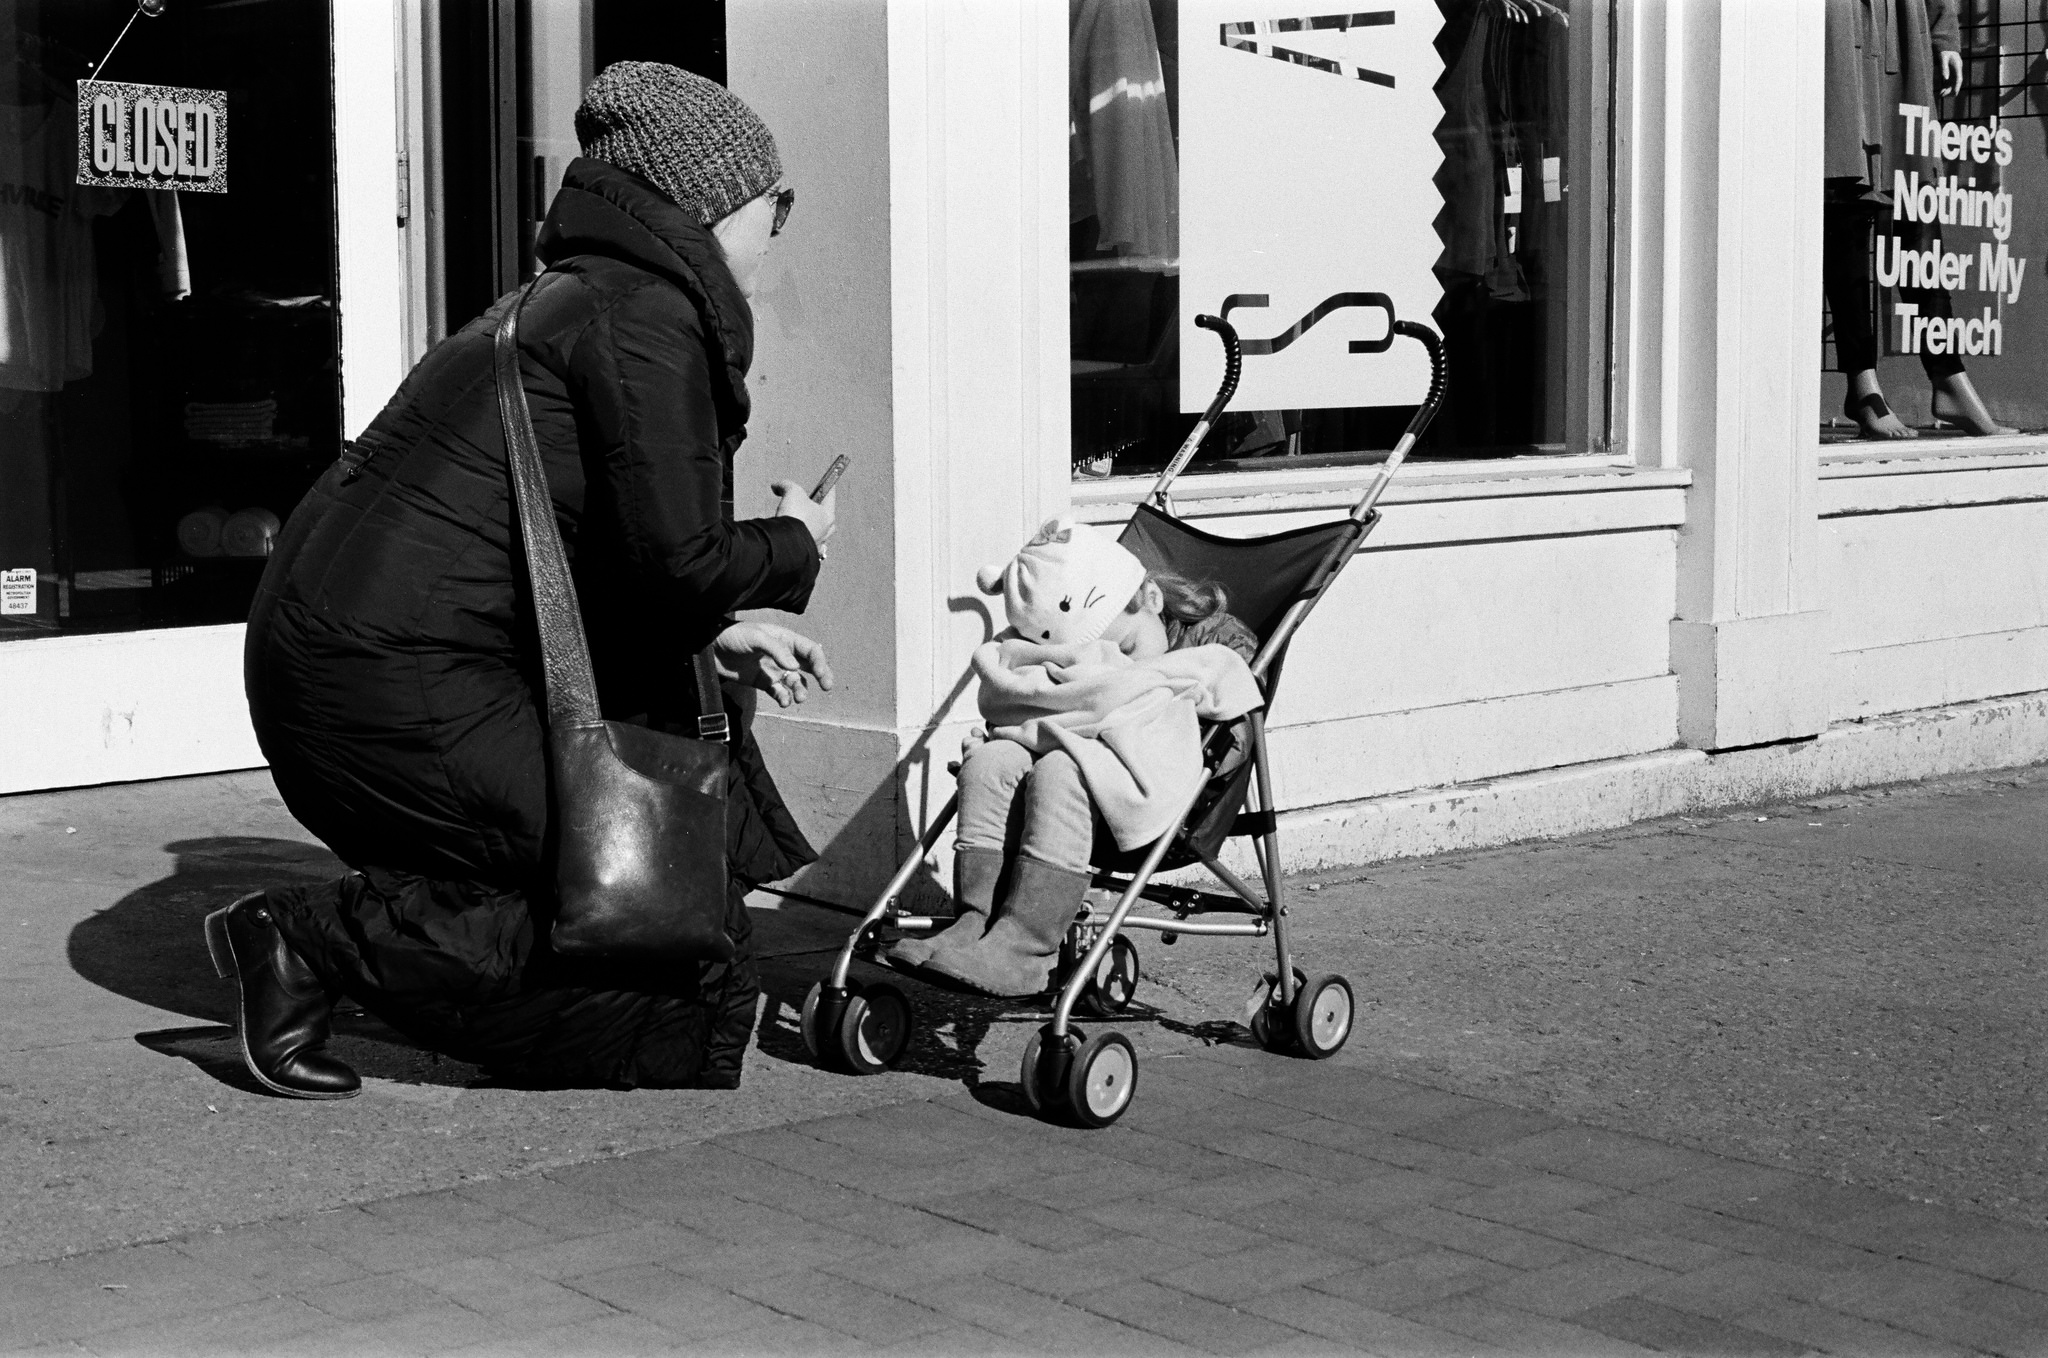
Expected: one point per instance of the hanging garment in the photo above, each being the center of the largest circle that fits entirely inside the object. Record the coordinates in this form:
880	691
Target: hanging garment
1880	54
1480	140
1123	168
173	264
48	293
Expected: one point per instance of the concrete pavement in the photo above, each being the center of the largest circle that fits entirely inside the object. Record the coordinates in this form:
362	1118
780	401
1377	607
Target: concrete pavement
1689	1087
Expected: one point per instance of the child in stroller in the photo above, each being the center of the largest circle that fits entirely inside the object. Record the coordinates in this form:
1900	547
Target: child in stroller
1093	701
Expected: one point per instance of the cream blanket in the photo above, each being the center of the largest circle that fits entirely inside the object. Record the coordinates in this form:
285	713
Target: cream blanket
1132	726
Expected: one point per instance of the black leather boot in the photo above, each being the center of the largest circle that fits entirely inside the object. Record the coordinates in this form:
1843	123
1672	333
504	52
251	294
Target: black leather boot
284	1008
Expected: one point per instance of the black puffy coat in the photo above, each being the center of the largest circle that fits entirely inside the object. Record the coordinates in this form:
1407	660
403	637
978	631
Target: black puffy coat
392	667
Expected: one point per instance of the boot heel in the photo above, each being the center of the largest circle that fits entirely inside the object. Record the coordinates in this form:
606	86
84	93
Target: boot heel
217	945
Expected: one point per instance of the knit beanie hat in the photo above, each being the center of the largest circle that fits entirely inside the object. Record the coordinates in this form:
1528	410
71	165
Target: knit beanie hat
690	137
1066	585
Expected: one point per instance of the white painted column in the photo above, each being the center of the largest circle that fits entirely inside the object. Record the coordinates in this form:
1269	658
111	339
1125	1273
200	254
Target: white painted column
817	72
978	176
913	315
1724	365
369	240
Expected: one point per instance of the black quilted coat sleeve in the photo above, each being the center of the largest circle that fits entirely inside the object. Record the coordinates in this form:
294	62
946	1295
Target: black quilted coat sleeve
640	382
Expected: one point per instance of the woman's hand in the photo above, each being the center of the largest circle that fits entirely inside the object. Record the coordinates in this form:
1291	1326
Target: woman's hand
772	658
975	738
1951	73
796	503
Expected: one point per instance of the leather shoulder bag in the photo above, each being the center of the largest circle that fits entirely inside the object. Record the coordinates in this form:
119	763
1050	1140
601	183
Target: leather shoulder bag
639	814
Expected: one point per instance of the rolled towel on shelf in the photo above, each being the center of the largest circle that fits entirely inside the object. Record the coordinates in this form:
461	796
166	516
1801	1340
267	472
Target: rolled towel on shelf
199	533
249	532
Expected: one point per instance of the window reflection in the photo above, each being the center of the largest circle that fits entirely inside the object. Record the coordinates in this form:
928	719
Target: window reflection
1519	265
168	383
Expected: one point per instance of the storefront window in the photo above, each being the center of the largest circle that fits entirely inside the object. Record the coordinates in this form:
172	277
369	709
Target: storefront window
1316	175
1937	160
168	385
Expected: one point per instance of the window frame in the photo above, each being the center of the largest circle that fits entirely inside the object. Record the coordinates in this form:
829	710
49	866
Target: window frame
1602	32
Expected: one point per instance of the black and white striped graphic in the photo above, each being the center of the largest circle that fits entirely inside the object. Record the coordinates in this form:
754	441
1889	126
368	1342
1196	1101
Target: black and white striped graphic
1240	37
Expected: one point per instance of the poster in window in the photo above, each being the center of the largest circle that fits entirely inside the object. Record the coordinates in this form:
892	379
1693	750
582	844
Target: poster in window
1308	157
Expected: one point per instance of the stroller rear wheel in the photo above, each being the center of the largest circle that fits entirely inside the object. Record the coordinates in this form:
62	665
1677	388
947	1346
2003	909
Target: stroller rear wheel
1271	1022
1115	982
1322	1016
874	1032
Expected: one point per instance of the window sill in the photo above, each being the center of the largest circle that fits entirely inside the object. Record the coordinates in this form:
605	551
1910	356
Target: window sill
1934	474
1435	504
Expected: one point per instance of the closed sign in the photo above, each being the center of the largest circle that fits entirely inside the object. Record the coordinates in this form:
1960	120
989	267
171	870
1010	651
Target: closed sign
152	137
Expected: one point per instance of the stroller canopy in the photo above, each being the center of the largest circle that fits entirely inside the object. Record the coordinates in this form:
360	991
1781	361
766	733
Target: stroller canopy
1263	576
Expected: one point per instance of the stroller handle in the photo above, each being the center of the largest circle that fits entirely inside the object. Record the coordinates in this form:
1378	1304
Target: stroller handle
1233	368
1363	513
1439	379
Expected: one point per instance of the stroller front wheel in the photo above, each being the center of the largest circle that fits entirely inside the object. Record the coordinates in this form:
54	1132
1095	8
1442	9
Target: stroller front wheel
1102	1080
874	1031
1044	1069
807	1023
858	1031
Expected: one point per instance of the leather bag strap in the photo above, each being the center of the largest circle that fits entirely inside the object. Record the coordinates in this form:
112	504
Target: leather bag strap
565	651
711	719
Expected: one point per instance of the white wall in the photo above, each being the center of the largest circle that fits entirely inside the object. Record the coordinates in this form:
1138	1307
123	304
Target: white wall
1494	624
1937	573
822	384
123	706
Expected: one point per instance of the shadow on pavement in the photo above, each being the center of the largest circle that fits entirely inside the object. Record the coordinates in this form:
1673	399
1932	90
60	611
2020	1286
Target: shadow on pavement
947	1032
150	947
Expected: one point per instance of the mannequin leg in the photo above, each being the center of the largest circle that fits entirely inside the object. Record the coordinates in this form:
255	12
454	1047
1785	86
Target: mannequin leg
1845	275
1956	402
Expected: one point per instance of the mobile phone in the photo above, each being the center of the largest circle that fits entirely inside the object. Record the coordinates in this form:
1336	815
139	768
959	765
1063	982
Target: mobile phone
831	477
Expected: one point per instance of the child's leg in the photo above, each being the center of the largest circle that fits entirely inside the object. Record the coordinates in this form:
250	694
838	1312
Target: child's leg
1059	815
1049	881
989	779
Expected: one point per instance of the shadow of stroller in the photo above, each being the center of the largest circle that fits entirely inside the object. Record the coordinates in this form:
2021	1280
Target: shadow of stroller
150	947
950	1030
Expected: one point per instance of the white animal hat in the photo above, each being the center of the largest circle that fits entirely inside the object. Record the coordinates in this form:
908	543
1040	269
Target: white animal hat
1066	585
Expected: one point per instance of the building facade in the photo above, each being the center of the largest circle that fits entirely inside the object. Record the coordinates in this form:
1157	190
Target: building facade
1639	568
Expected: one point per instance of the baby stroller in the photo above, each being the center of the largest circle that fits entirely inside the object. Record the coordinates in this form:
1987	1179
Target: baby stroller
1273	582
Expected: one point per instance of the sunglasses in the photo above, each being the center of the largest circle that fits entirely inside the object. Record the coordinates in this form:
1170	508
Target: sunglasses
785	199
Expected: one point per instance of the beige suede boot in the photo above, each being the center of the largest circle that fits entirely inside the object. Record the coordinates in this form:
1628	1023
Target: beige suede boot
1015	957
975	872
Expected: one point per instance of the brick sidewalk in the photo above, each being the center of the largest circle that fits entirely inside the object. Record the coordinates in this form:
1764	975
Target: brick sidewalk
1248	1203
